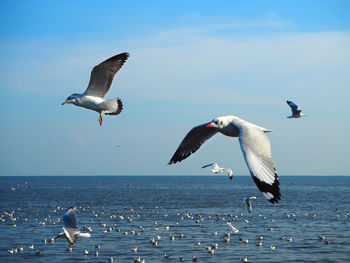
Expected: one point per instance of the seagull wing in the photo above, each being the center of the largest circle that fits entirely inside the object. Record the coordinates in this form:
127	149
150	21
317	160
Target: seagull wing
248	204
257	154
71	233
293	106
232	227
229	172
207	165
102	75
69	219
192	141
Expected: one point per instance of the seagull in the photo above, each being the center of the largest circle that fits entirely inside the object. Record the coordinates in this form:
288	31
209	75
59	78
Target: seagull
70	230
254	144
296	113
217	169
248	203
235	230
100	83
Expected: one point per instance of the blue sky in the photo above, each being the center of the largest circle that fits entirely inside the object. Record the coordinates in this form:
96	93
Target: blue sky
190	61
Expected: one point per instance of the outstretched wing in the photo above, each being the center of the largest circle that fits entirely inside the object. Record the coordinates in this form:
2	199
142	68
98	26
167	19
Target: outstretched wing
229	172
293	106
102	75
69	219
257	153
192	141
207	165
248	204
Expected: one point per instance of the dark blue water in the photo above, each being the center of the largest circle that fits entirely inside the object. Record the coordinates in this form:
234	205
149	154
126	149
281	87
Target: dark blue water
195	206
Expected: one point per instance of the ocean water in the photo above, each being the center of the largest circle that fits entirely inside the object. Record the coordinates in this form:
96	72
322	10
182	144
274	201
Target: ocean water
196	206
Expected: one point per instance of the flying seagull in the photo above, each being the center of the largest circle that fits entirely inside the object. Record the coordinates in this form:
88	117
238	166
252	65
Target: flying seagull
100	83
254	144
235	230
296	113
217	169
248	203
70	230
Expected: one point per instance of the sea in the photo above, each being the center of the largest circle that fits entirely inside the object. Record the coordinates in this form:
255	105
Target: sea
175	219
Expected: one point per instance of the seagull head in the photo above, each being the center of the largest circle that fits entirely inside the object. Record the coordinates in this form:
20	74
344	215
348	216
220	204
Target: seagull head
72	99
218	123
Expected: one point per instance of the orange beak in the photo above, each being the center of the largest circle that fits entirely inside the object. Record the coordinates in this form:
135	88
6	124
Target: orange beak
210	125
64	102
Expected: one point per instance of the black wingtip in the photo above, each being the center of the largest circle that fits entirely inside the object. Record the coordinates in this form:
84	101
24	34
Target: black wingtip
126	55
172	161
275	199
273	189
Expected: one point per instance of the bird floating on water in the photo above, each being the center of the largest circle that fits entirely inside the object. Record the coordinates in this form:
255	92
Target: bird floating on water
254	144
296	113
70	230
216	169
248	203
100	83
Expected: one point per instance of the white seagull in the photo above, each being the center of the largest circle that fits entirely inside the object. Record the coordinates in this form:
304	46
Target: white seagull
217	169
254	144
235	230
296	113
100	83
70	230
248	203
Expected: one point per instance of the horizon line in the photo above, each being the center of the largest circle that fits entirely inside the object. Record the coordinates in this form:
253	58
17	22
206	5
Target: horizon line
159	175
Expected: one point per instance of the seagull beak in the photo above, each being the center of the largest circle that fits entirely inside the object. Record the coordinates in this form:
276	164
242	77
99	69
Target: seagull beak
65	102
210	125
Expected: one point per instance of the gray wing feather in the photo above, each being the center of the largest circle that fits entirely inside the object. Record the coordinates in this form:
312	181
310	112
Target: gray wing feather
102	75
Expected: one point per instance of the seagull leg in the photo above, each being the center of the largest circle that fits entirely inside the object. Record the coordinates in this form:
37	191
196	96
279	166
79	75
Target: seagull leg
100	119
72	244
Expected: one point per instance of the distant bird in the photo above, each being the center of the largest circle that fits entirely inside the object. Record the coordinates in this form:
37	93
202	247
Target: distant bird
70	230
217	169
100	83
296	113
248	203
130	194
254	144
235	230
